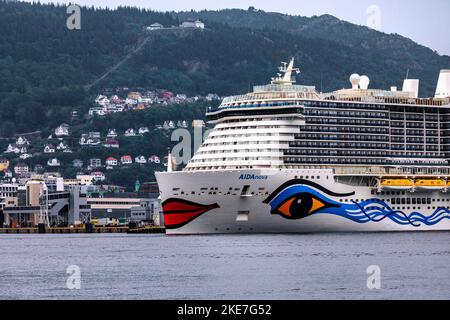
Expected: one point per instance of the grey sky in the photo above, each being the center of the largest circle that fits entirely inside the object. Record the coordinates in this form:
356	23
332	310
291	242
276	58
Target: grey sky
426	22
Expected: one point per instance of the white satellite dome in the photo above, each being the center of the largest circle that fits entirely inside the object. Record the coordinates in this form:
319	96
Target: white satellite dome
364	82
354	80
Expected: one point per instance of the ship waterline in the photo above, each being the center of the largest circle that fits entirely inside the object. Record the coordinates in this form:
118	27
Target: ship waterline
287	159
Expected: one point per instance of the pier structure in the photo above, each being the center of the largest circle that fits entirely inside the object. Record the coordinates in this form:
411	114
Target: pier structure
48	203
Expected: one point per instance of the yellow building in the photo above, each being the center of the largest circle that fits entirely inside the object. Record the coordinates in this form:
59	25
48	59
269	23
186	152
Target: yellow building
4	164
134	95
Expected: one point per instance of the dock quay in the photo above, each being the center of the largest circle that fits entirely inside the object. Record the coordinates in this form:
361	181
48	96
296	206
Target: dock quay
67	230
150	229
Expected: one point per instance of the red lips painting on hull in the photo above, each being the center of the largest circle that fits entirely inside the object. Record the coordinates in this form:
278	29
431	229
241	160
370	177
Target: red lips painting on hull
178	212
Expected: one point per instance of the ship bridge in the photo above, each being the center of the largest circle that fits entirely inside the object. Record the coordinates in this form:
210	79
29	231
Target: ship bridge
253	130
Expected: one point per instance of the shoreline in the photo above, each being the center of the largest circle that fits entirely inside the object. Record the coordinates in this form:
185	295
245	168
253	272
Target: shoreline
66	230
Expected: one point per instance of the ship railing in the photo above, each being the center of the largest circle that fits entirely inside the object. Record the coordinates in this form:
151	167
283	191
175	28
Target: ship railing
283	88
256	105
381	97
262	96
388	171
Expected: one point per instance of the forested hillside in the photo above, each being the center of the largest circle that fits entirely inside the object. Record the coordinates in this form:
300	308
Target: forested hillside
45	68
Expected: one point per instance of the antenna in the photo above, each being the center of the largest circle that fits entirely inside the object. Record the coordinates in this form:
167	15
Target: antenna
407	73
287	70
321	81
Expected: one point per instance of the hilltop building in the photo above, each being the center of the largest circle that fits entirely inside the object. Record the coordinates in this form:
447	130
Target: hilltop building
154	26
193	24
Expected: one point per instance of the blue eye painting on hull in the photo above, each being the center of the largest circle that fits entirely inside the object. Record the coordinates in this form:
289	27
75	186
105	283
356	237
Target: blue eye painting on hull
299	199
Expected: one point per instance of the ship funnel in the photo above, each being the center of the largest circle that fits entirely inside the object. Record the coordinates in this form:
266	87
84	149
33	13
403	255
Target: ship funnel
443	86
412	86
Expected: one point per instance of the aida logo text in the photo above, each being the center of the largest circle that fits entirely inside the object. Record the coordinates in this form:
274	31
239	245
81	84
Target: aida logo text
251	177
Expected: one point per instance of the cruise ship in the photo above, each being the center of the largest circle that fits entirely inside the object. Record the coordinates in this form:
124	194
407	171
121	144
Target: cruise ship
286	158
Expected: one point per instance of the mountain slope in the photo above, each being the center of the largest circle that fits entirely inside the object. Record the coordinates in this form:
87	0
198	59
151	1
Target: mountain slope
420	60
45	68
325	27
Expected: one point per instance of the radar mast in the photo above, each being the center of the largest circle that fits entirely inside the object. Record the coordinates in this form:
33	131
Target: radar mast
285	76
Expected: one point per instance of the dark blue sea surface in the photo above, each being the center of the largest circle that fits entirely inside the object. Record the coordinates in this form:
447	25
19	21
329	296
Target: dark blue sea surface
321	266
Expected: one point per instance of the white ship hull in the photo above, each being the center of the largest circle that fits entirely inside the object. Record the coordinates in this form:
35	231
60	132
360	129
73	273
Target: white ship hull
217	202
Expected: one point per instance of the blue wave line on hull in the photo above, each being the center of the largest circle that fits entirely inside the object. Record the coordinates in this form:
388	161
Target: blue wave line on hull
378	214
372	210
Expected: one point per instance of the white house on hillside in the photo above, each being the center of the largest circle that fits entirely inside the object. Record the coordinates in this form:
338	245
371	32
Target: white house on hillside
62	146
10	149
95	134
111	161
21	168
154	159
95	163
21	141
154	26
102	100
168	125
85	140
198	123
111	143
140	159
53	162
98	176
111	133
182	124
49	149
130	133
193	24
126	159
62	130
25	156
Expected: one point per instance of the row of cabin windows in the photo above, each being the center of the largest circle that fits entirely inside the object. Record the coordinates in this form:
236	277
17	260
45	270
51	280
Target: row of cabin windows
428	132
354	114
358	122
334	105
257	119
352	137
336	153
310	177
414	147
417	208
415	139
322	160
346	129
417	124
411	132
326	144
414	117
397	201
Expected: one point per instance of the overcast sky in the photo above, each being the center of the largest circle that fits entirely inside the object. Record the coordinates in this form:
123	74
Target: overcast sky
425	21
